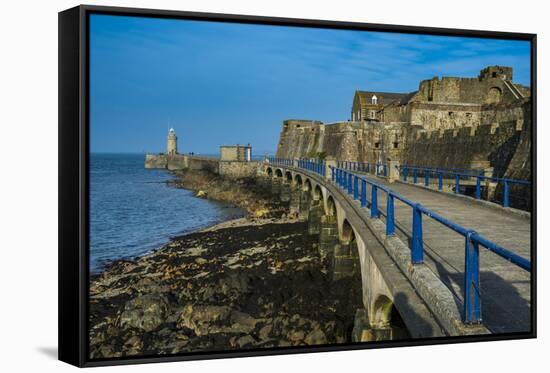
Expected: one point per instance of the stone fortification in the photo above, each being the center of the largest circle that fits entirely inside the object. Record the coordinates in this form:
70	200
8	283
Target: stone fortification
449	122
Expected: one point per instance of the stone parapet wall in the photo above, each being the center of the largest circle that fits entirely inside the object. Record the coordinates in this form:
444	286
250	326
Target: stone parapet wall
238	169
177	162
156	161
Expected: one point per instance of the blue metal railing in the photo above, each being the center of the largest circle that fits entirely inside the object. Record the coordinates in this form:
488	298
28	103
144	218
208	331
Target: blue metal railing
377	169
347	179
459	175
343	177
317	166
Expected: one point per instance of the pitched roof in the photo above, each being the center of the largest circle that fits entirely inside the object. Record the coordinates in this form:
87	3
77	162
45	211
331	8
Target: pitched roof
387	97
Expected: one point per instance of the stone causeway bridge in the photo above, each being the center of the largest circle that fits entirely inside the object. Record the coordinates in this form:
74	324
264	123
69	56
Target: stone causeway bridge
450	264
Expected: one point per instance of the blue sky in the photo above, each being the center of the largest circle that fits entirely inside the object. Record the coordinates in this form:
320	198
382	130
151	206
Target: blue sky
221	83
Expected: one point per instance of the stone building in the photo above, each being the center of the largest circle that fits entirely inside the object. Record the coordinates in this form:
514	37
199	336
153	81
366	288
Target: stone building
370	106
241	153
448	122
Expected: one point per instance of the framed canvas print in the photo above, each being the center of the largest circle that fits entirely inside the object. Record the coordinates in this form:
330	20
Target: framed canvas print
237	186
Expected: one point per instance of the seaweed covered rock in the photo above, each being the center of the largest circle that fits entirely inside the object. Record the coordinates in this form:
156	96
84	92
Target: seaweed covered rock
146	312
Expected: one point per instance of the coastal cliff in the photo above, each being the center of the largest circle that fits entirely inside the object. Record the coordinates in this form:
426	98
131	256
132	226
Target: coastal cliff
254	282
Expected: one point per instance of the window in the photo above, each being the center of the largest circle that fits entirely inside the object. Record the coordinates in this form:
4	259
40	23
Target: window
372	114
374	100
376	145
395	145
494	75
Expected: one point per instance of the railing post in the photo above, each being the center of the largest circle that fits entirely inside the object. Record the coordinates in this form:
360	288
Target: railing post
363	193
374	201
332	174
417	251
405	172
426	177
506	199
457	183
385	170
368	167
441	181
472	299
478	187
355	187
415	175
345	181
350	185
390	224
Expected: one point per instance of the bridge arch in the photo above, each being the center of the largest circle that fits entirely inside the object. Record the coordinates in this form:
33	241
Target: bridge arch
288	177
279	173
317	193
381	311
347	235
298	180
330	207
307	185
269	172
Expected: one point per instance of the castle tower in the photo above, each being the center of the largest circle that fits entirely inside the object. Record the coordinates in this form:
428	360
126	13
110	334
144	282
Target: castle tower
172	143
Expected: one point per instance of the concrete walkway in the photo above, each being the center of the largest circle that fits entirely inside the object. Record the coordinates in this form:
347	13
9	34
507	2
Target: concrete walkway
505	288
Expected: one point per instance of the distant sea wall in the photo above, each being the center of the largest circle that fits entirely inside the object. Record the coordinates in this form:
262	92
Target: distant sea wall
198	163
156	161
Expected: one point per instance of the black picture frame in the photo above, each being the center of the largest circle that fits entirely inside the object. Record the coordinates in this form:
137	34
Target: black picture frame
74	181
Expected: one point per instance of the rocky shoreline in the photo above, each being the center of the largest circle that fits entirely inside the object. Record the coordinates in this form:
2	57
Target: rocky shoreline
254	282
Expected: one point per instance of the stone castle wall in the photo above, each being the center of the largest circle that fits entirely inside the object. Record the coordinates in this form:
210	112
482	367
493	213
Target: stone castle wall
464	90
492	142
489	137
468	147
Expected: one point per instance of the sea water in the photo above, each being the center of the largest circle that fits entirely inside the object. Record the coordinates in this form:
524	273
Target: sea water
133	210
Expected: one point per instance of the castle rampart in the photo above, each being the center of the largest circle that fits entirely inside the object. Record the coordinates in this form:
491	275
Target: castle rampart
449	122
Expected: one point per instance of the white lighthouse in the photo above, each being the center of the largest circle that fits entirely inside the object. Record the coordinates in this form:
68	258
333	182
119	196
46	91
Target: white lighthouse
172	143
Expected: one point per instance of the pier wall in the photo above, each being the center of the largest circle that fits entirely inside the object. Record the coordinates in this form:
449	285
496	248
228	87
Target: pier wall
197	163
